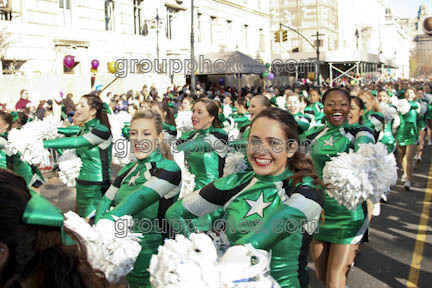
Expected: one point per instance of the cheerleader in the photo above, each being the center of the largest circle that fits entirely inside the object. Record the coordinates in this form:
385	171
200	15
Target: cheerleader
32	253
144	189
93	144
12	162
421	123
335	245
257	104
168	121
294	107
184	116
314	107
277	190
391	121
372	118
428	95
202	160
407	137
241	118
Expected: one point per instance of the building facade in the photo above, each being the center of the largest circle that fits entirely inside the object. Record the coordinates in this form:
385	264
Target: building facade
352	40
36	36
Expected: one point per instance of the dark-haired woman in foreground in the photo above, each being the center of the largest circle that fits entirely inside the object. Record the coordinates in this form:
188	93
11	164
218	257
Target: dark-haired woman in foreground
32	253
281	188
93	144
335	245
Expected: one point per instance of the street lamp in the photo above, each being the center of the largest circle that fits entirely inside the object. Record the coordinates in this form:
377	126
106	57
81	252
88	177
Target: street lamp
317	49
357	35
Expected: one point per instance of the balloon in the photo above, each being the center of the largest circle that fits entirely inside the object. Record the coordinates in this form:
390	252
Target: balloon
221	81
95	64
111	67
93	70
271	76
266	74
352	82
69	61
267	65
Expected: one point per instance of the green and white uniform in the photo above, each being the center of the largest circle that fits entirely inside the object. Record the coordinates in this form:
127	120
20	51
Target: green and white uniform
386	137
341	225
374	121
407	133
93	144
303	122
315	110
257	208
421	117
144	189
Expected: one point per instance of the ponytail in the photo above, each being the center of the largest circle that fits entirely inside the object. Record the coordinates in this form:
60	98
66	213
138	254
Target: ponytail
94	102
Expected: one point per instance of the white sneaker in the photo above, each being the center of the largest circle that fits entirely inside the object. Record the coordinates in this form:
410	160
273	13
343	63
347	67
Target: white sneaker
430	142
404	178
407	185
376	209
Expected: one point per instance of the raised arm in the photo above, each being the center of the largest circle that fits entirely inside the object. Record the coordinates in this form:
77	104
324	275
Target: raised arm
92	138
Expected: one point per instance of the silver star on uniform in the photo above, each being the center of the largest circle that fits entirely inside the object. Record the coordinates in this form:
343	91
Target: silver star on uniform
258	206
133	179
329	142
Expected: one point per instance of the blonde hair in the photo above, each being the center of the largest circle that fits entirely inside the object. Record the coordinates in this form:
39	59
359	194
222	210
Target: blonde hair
157	120
371	98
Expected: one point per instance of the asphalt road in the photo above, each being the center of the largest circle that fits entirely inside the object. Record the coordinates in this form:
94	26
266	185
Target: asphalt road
386	260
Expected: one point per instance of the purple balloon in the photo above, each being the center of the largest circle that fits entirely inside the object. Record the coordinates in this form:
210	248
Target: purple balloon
221	81
95	64
271	76
69	61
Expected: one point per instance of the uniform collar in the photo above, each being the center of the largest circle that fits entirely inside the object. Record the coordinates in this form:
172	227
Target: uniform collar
156	156
205	131
91	123
332	127
275	178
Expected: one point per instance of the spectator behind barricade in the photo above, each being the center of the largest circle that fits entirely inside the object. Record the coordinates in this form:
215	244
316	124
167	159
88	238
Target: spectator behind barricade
132	109
68	106
22	103
40	110
49	108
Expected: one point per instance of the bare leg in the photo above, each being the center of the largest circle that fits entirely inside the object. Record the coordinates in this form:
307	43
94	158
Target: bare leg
420	146
410	152
402	151
320	251
340	259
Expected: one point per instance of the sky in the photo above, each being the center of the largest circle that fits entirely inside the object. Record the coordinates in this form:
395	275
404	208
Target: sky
407	8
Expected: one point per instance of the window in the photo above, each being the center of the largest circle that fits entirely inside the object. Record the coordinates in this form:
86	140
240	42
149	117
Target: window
6	10
170	18
64	4
246	35
109	15
140	26
229	29
12	67
212	29
261	40
199	27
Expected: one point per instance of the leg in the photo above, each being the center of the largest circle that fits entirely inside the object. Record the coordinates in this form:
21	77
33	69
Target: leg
340	259
402	150
429	122
320	252
410	152
420	146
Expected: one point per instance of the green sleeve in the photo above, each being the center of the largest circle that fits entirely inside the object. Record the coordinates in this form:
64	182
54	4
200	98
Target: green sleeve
126	130
67	143
69	131
178	216
363	136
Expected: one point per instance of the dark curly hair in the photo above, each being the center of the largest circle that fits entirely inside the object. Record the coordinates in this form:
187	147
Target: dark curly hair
300	164
37	252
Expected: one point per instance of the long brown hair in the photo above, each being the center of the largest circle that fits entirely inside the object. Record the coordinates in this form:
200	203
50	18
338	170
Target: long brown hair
163	107
37	252
213	110
95	102
300	164
148	114
6	117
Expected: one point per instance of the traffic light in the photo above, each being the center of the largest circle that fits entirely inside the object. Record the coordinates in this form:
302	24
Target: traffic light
277	36
284	35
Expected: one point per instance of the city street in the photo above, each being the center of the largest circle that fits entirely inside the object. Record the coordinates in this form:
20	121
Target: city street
395	236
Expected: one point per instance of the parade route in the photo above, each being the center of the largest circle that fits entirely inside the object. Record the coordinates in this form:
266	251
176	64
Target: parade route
400	240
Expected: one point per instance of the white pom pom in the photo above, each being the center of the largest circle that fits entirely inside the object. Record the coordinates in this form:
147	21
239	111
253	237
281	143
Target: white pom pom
281	102
389	112
403	106
70	166
107	250
188	179
194	263
355	177
234	163
184	121
117	122
28	140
